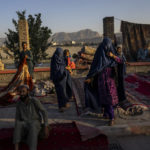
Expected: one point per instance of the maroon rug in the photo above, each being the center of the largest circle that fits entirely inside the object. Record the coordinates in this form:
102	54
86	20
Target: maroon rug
66	136
138	89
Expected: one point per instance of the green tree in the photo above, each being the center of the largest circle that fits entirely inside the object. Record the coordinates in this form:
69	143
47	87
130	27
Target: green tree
38	34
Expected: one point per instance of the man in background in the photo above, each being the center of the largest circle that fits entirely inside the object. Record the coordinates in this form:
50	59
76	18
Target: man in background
142	54
29	58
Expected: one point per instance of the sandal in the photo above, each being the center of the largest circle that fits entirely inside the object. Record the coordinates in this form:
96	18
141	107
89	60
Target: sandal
111	122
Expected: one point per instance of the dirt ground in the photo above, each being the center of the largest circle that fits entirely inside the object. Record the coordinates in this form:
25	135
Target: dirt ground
120	136
7	115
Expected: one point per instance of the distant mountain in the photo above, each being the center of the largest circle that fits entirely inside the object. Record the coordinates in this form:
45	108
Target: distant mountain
80	36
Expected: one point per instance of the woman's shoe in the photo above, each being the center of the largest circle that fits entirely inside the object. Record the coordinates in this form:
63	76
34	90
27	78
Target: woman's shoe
67	105
111	122
105	117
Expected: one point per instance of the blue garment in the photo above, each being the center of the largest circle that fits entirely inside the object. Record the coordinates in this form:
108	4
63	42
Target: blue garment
142	54
101	60
108	111
57	66
92	96
123	58
29	60
121	71
61	78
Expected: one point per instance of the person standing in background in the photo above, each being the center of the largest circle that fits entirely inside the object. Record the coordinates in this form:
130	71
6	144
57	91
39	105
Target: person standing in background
29	58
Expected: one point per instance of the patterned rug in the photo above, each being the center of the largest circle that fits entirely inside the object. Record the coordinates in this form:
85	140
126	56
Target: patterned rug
78	91
137	92
63	136
22	76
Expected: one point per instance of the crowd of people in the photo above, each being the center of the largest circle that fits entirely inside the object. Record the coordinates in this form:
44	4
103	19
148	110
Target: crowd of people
104	89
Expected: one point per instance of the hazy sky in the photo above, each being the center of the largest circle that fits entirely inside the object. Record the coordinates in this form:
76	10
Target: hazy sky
74	15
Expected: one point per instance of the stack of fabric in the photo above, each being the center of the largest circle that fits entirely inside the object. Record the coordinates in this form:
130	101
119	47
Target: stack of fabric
85	57
22	76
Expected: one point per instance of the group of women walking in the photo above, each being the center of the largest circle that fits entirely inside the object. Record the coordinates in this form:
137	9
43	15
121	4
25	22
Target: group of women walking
104	84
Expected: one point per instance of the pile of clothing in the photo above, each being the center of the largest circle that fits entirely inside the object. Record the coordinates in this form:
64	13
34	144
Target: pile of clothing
43	88
85	57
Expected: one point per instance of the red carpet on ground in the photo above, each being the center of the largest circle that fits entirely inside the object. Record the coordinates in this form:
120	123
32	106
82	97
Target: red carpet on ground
137	91
143	86
138	87
66	136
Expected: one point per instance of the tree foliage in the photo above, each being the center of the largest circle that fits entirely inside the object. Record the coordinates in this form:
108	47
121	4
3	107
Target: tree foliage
38	34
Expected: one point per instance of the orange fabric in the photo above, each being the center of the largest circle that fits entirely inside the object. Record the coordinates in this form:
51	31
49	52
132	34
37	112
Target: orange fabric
71	63
22	76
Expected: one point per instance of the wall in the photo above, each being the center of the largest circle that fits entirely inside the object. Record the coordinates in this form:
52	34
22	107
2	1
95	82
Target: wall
44	73
108	27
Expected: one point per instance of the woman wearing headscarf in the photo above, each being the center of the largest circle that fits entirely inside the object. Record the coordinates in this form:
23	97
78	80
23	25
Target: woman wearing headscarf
121	71
69	66
60	77
29	58
100	88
